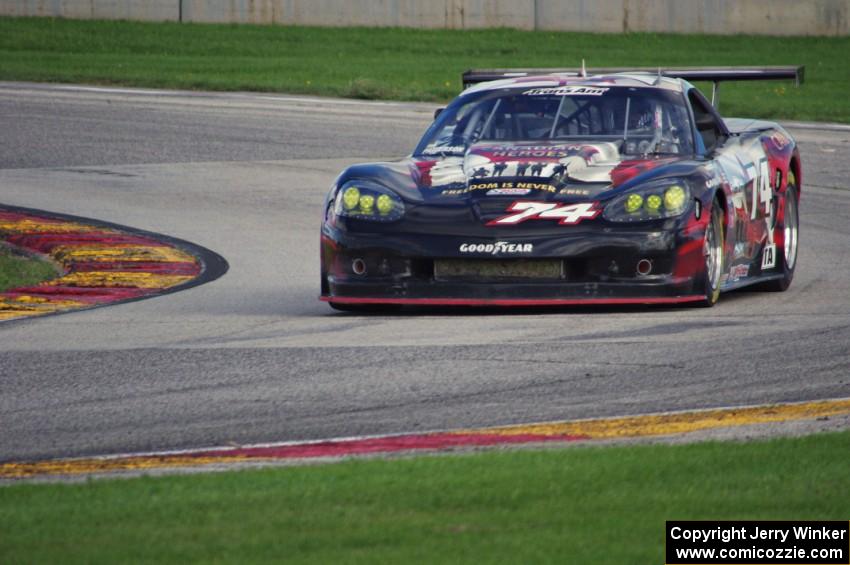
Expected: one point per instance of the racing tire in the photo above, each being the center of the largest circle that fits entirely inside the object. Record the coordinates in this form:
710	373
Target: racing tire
791	226
713	246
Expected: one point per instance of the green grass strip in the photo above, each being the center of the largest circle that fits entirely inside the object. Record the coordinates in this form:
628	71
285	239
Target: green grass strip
578	505
22	270
405	64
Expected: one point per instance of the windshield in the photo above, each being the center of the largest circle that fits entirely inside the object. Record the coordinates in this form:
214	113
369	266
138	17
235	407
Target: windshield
641	120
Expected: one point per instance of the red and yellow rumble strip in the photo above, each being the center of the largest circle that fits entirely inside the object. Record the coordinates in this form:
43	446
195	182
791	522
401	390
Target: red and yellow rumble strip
627	427
99	265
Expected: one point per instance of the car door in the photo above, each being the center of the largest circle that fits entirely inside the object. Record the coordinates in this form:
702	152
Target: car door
741	162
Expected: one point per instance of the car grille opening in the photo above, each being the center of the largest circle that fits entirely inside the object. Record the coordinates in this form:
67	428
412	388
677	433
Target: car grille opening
483	270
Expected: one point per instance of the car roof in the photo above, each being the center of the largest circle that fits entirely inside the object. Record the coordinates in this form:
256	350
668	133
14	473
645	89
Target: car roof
634	80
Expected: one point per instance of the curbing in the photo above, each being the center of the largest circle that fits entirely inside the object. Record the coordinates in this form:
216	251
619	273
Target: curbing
102	263
552	433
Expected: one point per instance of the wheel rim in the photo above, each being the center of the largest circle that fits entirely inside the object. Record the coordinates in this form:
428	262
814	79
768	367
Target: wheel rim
791	229
711	250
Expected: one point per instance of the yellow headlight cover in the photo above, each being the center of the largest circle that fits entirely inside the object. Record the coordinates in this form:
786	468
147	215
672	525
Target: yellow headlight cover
653	203
351	197
633	203
367	202
385	204
674	198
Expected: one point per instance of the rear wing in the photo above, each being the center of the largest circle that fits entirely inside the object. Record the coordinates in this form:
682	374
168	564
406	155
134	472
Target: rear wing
715	75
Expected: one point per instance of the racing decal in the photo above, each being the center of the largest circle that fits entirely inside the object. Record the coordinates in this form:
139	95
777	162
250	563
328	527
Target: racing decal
690	256
740	249
738	272
628	169
768	257
440	173
508	191
501	188
421	172
561	81
550	165
446	150
567	91
446	172
761	193
778	140
714	178
498	248
750	171
519	169
551	162
566	214
569	191
535	151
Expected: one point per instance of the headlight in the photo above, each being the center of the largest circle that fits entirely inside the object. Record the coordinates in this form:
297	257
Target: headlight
367	201
651	202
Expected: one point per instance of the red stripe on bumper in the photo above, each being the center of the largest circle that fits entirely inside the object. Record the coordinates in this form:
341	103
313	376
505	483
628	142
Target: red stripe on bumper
512	301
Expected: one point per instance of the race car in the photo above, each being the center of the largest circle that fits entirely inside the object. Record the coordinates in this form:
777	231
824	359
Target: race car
570	188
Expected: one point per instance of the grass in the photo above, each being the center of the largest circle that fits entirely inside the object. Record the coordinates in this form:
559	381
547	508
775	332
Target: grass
406	64
578	505
22	270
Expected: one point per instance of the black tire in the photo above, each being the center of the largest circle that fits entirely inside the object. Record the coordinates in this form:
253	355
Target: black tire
715	262
787	259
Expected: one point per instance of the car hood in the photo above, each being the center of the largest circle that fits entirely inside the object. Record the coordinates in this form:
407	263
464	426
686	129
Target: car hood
569	170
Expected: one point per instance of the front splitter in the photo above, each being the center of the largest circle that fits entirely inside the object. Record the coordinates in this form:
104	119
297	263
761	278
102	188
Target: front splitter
516	302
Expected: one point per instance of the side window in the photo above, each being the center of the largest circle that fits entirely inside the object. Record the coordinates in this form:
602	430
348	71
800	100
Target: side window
706	122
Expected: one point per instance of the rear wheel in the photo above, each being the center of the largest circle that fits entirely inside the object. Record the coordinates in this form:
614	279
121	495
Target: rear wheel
712	250
787	260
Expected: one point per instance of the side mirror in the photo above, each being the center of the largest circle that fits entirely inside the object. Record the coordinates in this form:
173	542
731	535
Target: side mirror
437	112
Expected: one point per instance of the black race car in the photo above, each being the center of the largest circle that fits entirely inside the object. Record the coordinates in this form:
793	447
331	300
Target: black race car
568	188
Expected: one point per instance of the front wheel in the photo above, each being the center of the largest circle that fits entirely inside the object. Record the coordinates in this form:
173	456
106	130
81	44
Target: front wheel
712	250
791	238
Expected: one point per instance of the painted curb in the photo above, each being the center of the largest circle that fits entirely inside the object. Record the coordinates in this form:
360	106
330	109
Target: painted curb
664	424
102	263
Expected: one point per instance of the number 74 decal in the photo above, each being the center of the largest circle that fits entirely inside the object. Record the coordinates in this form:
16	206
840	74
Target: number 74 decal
568	214
759	173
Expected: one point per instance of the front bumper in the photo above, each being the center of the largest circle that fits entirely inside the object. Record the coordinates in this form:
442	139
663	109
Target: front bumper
600	265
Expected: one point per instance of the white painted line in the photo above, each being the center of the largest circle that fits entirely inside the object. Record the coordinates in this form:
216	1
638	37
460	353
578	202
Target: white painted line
215	94
340	101
413	106
109	90
816	126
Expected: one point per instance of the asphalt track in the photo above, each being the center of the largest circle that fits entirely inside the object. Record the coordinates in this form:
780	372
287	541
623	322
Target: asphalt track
255	357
